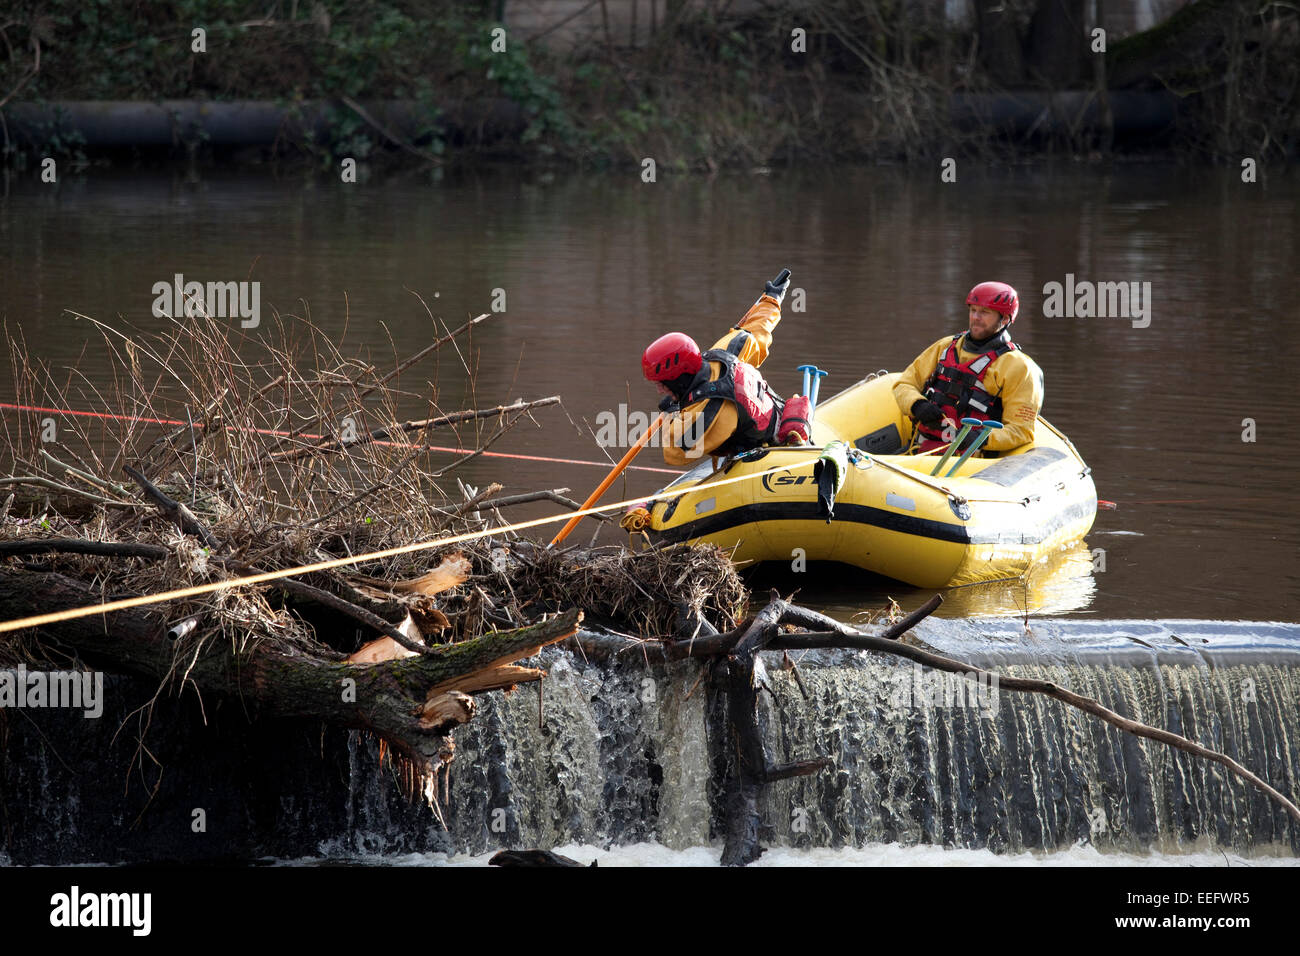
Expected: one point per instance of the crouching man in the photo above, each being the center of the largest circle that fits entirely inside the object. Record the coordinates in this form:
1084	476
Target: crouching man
979	373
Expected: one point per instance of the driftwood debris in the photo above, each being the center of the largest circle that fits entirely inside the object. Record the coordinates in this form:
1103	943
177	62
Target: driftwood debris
397	647
412	704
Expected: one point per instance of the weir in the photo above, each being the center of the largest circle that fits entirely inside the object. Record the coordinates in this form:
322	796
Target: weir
627	753
626	760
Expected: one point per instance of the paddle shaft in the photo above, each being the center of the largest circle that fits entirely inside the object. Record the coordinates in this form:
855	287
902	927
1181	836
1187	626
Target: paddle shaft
818	375
609	479
952	447
974	447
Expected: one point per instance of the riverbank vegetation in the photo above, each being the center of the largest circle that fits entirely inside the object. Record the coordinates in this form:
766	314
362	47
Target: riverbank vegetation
702	87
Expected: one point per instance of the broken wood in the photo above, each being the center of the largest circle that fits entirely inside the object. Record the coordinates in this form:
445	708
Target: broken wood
176	512
475	501
803	617
446	709
840	634
453	570
387	649
108	549
377	651
87	476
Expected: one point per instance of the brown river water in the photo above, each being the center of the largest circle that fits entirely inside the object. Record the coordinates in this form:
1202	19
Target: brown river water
593	267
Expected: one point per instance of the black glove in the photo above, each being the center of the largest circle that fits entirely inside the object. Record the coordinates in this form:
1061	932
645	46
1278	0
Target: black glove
927	413
776	287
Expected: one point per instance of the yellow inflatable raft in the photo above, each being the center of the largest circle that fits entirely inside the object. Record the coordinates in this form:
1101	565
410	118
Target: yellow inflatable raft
994	518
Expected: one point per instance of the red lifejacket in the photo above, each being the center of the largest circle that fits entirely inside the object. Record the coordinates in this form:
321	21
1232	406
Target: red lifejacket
758	408
958	389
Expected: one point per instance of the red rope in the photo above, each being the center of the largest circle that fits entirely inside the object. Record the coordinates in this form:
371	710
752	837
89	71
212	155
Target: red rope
269	431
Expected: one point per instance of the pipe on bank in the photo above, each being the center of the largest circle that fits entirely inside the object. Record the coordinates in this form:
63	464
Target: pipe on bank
109	124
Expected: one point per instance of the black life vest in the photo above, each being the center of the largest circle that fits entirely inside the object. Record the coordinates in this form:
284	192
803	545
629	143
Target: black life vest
958	387
758	408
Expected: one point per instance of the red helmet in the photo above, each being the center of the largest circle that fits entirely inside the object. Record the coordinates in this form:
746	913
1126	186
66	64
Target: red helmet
998	296
670	356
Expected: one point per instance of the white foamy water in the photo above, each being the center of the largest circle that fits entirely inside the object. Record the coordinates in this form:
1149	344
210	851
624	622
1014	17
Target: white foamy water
885	854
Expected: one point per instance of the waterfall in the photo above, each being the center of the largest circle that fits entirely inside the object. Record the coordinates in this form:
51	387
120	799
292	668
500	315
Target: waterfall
627	753
624	754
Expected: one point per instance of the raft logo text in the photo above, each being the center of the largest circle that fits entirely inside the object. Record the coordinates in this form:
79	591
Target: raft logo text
1099	300
927	688
79	690
74	909
217	300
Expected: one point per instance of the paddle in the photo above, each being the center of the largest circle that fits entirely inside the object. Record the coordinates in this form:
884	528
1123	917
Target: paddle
807	378
816	389
609	479
953	445
974	446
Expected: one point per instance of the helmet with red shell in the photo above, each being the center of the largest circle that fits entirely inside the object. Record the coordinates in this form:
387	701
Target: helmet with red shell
671	356
998	296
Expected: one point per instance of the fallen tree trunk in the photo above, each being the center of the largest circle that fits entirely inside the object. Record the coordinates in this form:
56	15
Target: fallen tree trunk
838	634
411	704
742	676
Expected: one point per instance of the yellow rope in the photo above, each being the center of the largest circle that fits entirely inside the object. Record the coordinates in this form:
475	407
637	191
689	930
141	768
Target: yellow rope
122	605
